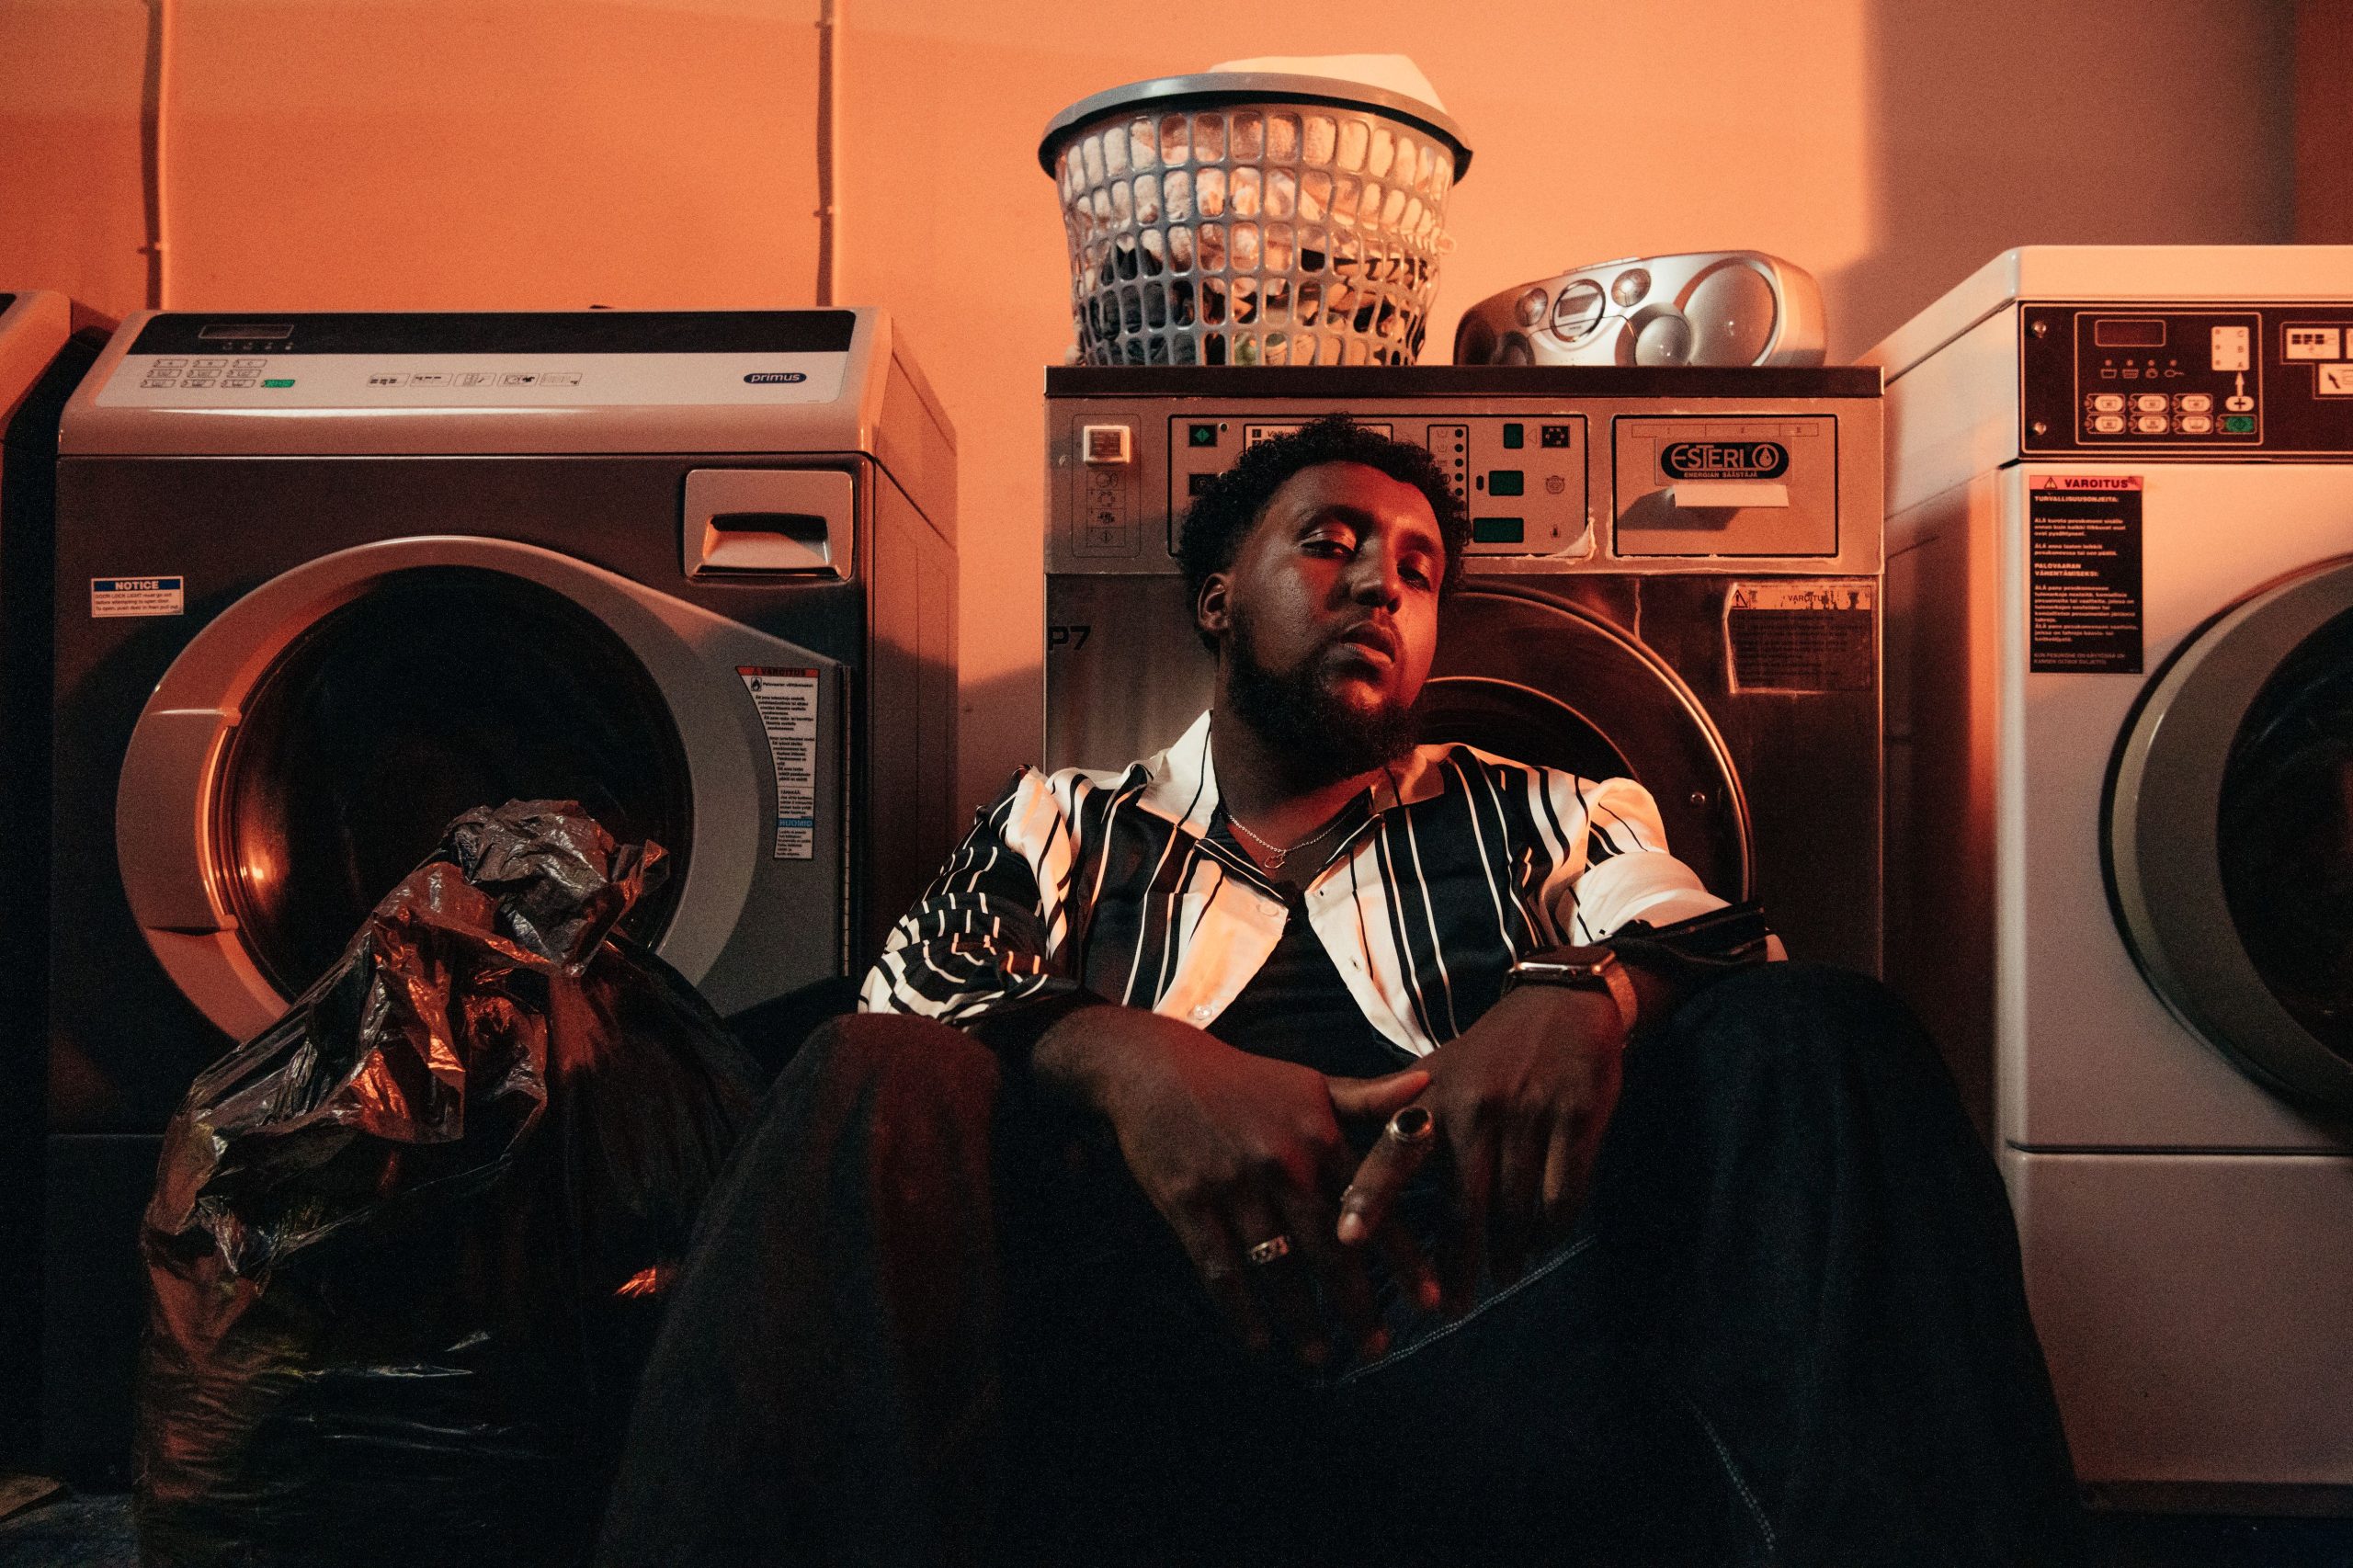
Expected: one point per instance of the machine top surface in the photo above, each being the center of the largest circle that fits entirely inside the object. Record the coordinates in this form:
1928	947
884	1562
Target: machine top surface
1393	383
506	382
2094	274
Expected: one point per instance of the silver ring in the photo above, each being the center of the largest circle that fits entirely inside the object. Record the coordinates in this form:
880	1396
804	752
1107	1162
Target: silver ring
1270	1249
1413	1126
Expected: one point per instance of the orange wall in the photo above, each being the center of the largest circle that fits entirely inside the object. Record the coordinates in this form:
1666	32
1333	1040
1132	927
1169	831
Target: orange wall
640	153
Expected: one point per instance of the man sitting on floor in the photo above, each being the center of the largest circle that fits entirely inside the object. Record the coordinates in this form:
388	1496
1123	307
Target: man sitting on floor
1307	1146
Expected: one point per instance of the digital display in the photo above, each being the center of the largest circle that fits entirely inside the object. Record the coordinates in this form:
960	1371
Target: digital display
1507	482
2129	333
1498	530
236	331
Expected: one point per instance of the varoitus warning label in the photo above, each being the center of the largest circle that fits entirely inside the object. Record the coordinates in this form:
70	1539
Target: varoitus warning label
787	703
2084	573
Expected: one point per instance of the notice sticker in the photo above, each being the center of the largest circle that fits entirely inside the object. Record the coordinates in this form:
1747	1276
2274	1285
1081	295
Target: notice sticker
1796	635
2084	573
787	703
111	596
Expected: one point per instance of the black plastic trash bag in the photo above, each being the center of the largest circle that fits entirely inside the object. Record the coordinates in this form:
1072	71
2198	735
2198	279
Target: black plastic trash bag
407	1245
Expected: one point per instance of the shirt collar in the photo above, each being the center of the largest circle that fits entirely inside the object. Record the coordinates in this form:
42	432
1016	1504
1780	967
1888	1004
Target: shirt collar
1181	779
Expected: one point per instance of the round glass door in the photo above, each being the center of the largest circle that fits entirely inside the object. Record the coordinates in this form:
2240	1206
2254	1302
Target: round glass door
1538	681
436	690
2230	834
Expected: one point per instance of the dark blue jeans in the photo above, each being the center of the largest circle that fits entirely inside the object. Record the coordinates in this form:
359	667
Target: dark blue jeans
929	1319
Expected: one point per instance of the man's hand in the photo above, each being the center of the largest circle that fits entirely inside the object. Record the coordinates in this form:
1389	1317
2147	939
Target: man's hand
1520	1100
1235	1150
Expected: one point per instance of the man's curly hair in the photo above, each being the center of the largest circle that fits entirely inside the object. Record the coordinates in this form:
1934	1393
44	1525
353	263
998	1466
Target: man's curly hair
1221	517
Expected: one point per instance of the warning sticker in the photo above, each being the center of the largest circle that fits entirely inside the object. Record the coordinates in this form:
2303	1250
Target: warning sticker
137	596
2084	570
787	701
1803	635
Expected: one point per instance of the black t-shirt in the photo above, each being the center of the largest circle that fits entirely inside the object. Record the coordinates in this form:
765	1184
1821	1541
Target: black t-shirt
1297	1008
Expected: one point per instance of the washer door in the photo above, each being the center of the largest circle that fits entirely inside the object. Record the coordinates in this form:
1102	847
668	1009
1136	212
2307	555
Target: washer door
2229	834
1540	681
307	748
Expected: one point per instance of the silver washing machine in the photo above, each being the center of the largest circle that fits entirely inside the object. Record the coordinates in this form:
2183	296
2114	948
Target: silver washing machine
46	341
326	581
1673	575
2120	742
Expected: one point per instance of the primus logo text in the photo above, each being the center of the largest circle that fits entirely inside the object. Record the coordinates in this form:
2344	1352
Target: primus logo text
775	377
1725	459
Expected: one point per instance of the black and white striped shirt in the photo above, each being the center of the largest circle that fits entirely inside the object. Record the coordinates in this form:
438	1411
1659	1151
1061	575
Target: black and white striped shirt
1111	884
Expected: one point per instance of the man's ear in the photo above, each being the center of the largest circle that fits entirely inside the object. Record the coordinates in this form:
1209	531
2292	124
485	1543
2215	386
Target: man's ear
1212	612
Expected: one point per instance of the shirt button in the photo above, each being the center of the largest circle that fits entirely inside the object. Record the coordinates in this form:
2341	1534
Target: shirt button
1202	1011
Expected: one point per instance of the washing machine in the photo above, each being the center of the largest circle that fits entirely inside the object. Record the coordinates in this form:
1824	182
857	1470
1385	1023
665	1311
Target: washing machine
2120	737
325	581
46	341
1673	575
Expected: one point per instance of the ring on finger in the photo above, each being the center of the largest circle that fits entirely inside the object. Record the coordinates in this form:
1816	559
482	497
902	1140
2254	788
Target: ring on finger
1270	1249
1413	1126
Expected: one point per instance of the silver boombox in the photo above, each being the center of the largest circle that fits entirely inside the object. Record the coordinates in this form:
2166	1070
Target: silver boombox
1718	307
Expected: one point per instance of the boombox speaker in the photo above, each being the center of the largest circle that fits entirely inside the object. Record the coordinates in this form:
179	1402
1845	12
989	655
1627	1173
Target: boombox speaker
1722	307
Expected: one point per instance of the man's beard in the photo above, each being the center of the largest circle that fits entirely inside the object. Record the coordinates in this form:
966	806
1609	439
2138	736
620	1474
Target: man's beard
1319	738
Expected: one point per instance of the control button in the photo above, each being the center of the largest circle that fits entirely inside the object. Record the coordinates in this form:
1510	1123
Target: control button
2234	346
2150	402
1199	484
1558	435
171	364
2131	373
242	381
2107	402
198	382
1103	443
2239	405
2108	424
2332	381
1507	482
2195	424
1529	307
281	381
249	364
215	364
2150	425
151	386
2310	343
430	379
1515	437
475	379
1630	286
2194	402
519	379
1201	435
2238	424
561	378
387	380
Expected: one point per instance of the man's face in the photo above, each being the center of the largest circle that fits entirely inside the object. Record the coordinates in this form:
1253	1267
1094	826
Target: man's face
1330	608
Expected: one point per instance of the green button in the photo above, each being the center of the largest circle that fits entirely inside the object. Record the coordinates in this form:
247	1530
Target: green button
286	382
1515	437
1498	530
1203	435
1507	481
2238	424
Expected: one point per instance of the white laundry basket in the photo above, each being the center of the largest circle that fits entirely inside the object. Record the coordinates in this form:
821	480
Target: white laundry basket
1247	218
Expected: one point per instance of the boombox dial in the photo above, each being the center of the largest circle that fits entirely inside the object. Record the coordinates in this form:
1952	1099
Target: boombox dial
1707	308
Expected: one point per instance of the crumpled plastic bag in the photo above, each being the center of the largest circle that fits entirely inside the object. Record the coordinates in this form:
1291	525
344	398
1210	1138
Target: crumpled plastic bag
407	1245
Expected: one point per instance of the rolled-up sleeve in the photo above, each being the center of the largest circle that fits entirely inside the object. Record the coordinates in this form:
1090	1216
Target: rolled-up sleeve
1615	865
982	949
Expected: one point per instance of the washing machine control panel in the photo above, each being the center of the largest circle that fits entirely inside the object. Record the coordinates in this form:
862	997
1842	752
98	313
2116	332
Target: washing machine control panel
2186	380
483	359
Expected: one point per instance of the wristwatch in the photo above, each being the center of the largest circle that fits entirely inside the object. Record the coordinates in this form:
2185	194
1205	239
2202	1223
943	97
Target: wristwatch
1589	969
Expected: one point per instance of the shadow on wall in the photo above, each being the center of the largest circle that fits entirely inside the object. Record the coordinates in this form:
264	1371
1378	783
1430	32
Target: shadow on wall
2014	122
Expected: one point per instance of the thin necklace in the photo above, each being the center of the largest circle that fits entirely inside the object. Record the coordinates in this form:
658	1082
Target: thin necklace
1276	854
